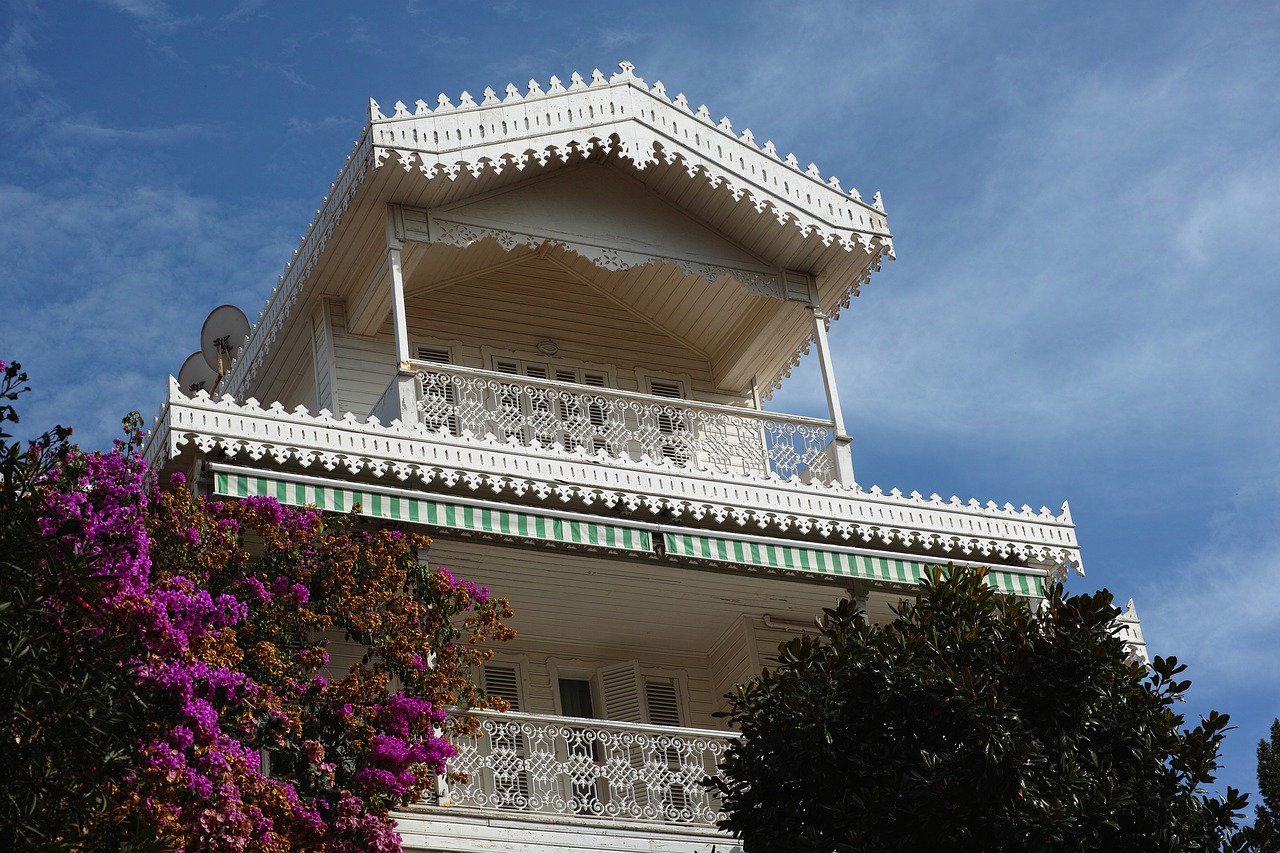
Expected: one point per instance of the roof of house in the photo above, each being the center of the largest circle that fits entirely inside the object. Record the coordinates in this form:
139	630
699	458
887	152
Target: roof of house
783	219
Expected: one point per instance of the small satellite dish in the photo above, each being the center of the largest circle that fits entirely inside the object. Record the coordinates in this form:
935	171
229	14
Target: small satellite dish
223	336
196	375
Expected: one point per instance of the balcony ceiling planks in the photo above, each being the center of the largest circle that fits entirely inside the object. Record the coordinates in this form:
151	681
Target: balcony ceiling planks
573	598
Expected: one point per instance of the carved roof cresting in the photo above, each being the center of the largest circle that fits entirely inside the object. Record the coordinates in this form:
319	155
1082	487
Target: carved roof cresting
622	114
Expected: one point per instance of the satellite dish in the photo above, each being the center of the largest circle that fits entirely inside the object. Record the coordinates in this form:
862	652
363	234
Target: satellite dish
196	375
223	337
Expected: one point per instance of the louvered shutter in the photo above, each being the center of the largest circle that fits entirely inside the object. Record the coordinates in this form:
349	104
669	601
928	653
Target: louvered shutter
662	697
621	692
798	287
438	395
508	752
507	409
544	422
629	696
662	700
672	421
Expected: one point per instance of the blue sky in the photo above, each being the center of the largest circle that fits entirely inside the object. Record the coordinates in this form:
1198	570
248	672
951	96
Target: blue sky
1085	200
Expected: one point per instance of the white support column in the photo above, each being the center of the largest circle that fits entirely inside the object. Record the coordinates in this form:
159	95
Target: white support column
842	456
860	592
405	404
395	243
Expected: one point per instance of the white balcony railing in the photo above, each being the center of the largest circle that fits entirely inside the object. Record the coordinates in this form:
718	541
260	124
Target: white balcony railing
620	425
588	768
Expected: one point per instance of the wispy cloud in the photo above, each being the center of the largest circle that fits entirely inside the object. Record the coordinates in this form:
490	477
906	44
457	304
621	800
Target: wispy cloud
17	71
88	130
127	303
244	10
297	125
151	11
1222	598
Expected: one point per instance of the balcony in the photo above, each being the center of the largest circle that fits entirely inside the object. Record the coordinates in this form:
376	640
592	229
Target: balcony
578	768
609	427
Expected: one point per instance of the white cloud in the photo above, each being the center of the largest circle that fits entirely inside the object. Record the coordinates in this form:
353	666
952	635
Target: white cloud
150	11
112	318
1223	597
17	72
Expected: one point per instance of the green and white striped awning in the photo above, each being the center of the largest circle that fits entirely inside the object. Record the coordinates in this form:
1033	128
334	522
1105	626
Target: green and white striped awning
824	561
433	512
517	523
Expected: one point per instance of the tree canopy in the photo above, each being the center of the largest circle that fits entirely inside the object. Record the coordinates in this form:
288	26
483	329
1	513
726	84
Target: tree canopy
972	721
165	655
1268	811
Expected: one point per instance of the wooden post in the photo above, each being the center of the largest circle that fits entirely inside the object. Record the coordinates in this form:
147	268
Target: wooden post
842	456
406	403
395	243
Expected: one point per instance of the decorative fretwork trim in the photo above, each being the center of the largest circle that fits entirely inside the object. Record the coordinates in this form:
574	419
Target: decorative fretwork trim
564	766
931	526
463	234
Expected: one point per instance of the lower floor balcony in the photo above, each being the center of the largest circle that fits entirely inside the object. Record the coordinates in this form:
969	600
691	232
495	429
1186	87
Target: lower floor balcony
541	782
587	768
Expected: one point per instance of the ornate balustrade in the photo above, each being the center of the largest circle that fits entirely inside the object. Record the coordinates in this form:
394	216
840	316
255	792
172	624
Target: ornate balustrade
559	416
588	768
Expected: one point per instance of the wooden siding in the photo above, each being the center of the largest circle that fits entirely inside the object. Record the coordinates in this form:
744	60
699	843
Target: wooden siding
734	659
427	829
365	365
322	358
578	612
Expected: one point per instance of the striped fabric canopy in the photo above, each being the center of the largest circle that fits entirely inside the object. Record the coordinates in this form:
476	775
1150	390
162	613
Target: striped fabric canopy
518	523
436	513
827	561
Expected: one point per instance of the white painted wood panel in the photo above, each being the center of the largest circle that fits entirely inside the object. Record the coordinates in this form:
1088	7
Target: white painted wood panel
364	366
427	829
597	611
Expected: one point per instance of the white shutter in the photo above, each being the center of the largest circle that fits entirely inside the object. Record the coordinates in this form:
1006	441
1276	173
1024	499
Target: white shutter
662	695
508	753
503	680
666	388
672	422
621	693
663	701
438	396
798	286
437	355
632	697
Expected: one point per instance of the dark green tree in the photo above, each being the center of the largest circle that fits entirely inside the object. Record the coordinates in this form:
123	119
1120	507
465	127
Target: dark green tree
69	704
973	721
1268	811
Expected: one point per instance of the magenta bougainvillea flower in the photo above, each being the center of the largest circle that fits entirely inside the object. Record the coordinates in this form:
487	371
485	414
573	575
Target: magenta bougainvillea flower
251	740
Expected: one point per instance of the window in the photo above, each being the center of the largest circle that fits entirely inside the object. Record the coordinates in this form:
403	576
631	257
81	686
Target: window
581	746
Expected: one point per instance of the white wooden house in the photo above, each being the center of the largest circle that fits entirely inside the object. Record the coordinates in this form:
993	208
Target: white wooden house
539	325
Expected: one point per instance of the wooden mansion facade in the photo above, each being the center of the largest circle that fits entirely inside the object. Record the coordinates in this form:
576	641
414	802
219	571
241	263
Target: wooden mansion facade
539	325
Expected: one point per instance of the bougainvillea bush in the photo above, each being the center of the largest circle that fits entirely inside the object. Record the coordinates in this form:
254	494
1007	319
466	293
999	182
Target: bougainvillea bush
216	618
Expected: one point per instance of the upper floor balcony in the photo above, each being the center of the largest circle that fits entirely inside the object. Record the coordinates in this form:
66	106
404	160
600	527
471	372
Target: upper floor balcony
608	427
